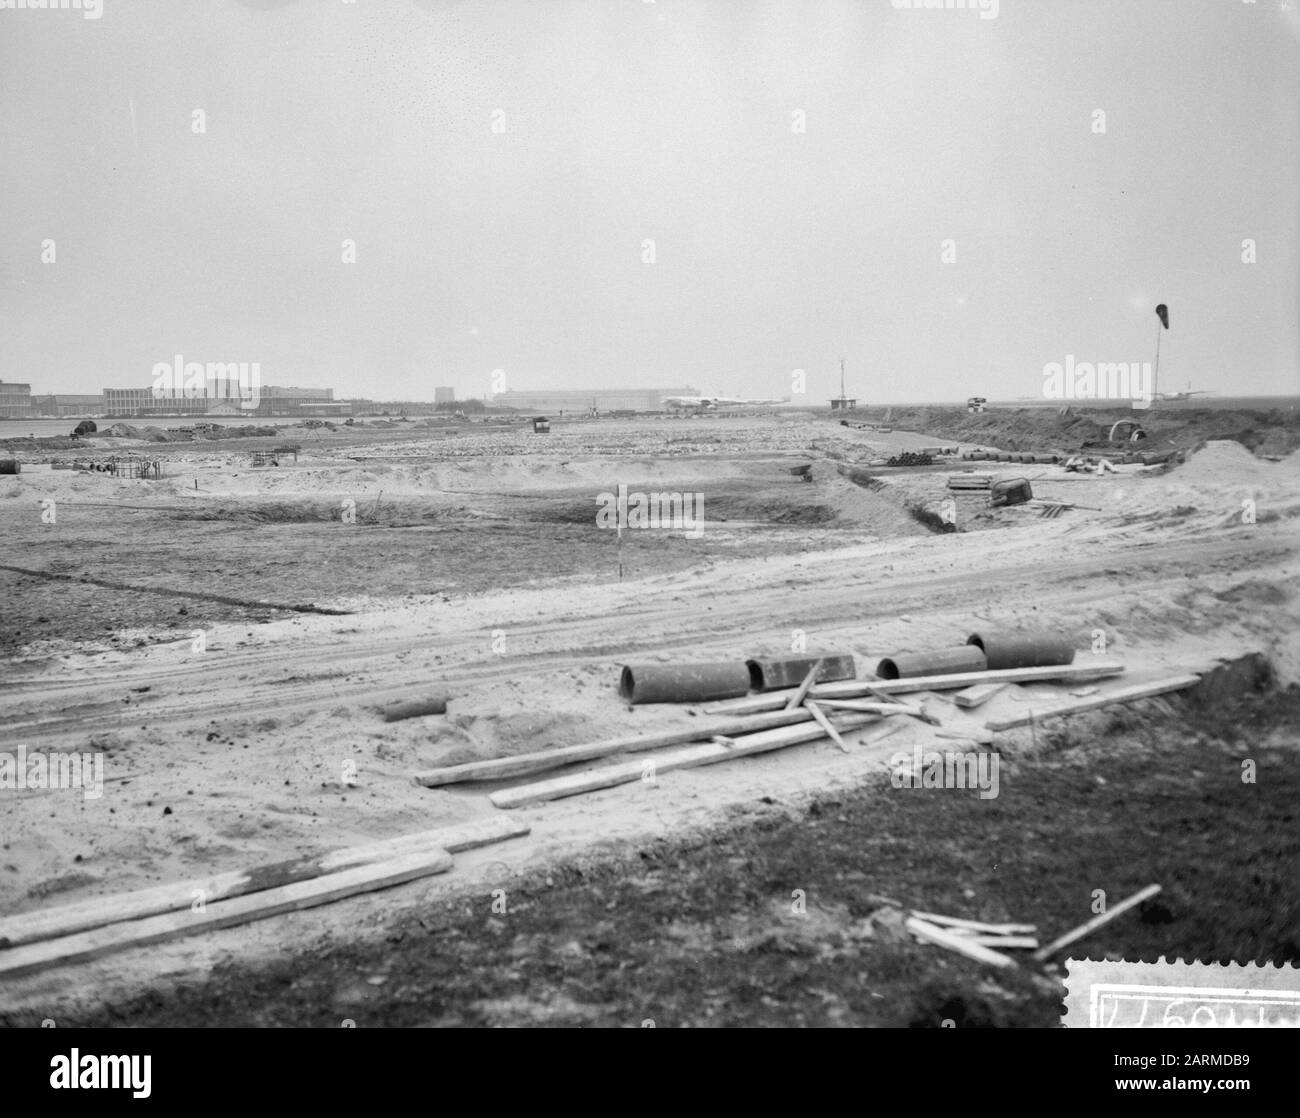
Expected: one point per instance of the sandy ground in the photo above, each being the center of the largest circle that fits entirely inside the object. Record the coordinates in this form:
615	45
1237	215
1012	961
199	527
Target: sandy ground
509	601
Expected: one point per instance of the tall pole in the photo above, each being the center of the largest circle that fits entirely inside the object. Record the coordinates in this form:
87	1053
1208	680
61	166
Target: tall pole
1155	378
841	380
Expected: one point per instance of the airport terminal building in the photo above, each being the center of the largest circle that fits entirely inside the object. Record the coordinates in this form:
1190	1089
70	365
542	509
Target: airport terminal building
272	400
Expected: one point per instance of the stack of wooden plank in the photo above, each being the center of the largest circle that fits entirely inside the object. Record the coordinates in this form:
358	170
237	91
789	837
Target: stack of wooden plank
970	481
89	929
972	938
855	689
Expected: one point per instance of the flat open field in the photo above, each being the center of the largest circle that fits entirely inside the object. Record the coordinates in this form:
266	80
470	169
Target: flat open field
225	635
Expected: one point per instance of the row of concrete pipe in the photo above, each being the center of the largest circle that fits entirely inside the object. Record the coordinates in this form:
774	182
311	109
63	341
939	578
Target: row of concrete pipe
709	682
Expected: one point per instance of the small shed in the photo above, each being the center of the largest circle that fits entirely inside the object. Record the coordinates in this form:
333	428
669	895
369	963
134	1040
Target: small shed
541	425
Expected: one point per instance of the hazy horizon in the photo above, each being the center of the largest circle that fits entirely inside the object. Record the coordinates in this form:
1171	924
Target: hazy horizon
501	166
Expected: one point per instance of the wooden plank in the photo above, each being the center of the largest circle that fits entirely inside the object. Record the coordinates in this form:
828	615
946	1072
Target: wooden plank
879	695
890	728
856	688
223	914
973	925
825	724
978	695
1095	923
862	706
1124	695
796	700
608	776
932	933
881	708
524	764
97	911
978	736
1003	942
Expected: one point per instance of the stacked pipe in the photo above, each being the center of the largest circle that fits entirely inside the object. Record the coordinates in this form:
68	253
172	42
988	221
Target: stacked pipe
992	652
709	682
701	683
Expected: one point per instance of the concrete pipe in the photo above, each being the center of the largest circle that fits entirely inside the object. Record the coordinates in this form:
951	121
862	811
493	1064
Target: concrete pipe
414	708
1023	650
10	466
772	675
947	661
683	683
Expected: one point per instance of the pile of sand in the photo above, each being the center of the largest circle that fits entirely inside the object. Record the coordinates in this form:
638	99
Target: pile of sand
1224	462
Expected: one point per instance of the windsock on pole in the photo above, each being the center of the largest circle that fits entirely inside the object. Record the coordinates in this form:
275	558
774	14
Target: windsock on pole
1162	313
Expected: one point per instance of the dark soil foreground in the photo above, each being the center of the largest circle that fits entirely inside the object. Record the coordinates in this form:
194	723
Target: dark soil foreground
703	932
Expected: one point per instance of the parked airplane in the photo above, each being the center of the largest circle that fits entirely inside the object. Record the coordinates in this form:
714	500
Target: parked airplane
1185	395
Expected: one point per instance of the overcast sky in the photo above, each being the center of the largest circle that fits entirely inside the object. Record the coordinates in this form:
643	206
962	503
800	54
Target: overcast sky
618	122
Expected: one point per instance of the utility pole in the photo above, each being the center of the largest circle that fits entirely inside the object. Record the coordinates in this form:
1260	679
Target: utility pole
842	378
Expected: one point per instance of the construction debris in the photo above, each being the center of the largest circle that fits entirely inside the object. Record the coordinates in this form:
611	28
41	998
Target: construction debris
825	724
946	661
526	764
648	768
1023	650
970	481
975	925
232	899
1088	465
771	675
1125	695
683	683
415	708
1095	923
883	709
63	920
977	696
853	689
224	914
802	692
1013	491
963	945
